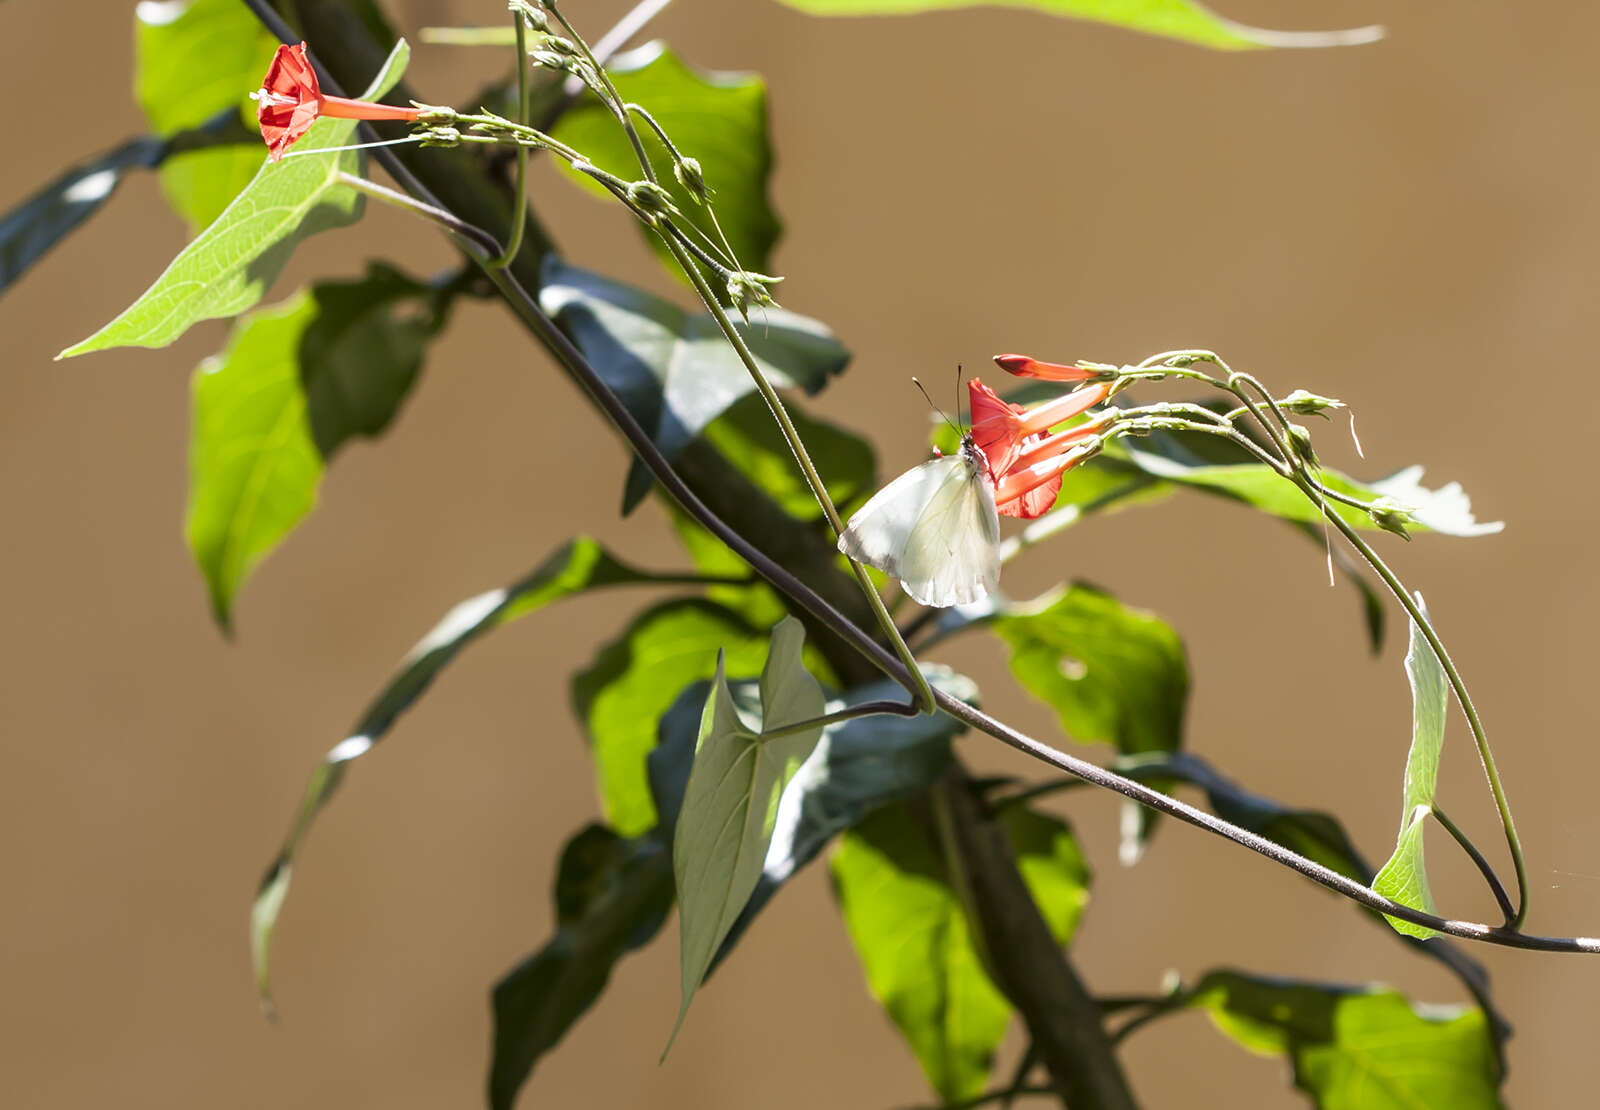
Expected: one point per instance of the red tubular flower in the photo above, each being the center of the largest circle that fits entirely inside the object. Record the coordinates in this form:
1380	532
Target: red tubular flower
1025	461
290	101
1024	367
1028	489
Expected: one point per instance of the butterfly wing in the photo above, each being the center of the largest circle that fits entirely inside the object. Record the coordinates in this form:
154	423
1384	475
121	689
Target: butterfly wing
878	532
952	556
935	529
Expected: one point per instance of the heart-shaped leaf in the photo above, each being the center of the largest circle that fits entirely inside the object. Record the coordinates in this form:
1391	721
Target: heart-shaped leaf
295	382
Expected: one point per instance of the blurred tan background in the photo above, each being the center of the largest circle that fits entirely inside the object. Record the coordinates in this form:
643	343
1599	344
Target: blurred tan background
1410	226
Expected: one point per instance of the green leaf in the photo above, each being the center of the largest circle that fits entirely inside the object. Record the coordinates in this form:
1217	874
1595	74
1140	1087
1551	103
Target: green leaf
730	806
200	184
228	268
718	119
1446	510
295	382
1184	20
29	231
192	60
612	896
633	681
1114	675
673	369
1360	1049
859	764
914	941
1405	877
575	566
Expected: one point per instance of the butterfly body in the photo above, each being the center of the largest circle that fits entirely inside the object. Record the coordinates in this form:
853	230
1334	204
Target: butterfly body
934	528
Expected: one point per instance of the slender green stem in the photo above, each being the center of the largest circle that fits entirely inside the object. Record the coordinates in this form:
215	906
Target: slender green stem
519	195
613	99
1457	684
920	690
1482	864
1172	1002
865	709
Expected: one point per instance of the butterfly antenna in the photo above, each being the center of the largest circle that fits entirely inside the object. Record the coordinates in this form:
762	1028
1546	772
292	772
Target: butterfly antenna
920	389
958	397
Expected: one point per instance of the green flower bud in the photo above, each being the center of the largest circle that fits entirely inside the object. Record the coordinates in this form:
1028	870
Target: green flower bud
434	115
687	171
1300	444
531	14
1309	404
1391	516
441	136
650	199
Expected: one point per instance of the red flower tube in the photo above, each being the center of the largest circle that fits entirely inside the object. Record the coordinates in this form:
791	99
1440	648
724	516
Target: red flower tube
1001	429
1024	367
1028	491
290	101
1025	461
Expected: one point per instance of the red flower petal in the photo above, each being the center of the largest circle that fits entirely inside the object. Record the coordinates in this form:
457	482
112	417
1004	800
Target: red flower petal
995	427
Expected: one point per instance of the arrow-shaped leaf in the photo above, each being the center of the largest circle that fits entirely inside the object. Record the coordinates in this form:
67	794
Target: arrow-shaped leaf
229	266
730	806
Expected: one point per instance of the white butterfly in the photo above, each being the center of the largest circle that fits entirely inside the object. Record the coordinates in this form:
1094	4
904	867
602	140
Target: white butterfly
935	528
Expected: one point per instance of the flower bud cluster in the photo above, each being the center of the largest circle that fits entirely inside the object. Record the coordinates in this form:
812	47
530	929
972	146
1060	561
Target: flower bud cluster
747	289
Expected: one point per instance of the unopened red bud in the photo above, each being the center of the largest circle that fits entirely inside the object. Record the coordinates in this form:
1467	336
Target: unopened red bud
1025	367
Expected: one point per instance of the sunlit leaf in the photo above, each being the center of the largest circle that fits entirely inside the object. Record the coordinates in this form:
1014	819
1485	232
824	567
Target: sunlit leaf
1185	20
730	806
295	382
1360	1049
718	119
1446	510
191	61
1113	674
674	369
915	943
1405	877
574	567
612	896
634	679
228	268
